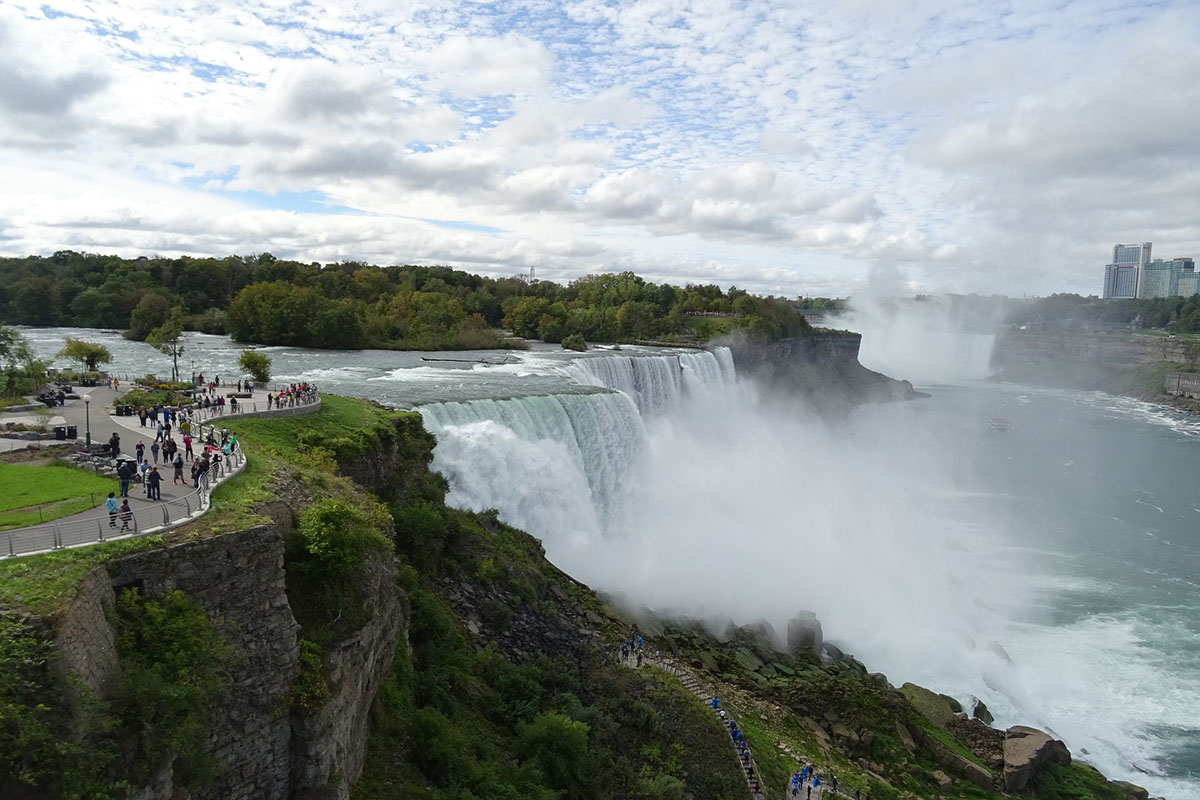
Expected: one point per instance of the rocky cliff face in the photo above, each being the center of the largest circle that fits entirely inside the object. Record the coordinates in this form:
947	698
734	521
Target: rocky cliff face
1098	348
264	750
261	750
822	368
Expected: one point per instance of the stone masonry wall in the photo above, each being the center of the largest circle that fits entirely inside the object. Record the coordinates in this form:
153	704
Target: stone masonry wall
238	579
1182	385
84	638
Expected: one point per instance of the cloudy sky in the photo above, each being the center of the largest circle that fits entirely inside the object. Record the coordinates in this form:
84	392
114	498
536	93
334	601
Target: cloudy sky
821	148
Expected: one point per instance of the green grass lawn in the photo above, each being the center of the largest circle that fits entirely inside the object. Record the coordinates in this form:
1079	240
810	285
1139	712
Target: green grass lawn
33	494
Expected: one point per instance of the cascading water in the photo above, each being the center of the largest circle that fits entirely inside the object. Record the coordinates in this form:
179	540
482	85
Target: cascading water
557	466
563	467
656	383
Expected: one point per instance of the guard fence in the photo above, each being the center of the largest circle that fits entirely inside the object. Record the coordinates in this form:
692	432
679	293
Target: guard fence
146	520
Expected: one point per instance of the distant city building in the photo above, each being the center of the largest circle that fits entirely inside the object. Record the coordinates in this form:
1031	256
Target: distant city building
1123	274
1120	283
1132	274
1166	278
1157	279
1189	283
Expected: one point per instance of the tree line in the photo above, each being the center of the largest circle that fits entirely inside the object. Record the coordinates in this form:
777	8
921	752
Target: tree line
351	305
1174	314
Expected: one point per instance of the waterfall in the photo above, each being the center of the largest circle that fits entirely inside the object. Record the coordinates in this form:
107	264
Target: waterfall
562	466
558	466
656	383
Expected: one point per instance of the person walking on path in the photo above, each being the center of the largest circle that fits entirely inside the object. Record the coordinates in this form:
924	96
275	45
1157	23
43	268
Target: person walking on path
143	468
140	452
111	506
114	444
187	446
153	479
154	448
125	475
178	464
126	514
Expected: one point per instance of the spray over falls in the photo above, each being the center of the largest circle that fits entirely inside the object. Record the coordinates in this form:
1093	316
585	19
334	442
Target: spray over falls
682	491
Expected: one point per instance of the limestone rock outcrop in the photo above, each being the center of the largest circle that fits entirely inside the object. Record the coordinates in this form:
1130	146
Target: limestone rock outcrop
803	632
1026	750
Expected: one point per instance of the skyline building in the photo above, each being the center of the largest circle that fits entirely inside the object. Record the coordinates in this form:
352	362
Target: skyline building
1122	276
1166	278
1131	274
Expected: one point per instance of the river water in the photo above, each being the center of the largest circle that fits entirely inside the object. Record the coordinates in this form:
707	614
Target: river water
1052	570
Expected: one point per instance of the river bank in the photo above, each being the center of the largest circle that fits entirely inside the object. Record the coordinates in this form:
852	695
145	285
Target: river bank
1126	364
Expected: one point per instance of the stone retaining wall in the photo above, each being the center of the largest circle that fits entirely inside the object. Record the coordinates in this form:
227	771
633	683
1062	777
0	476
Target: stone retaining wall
1181	384
287	411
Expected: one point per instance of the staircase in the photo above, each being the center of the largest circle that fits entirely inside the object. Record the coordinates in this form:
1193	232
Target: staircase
690	682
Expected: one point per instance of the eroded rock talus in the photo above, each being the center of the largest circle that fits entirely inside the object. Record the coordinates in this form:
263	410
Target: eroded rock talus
1026	750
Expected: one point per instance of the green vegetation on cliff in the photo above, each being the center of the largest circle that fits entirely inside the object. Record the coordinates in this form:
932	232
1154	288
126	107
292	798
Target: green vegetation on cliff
72	744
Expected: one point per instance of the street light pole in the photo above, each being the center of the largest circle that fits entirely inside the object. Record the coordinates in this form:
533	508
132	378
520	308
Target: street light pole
87	419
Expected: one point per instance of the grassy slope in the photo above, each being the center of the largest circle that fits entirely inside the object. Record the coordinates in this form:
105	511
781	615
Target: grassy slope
777	704
61	491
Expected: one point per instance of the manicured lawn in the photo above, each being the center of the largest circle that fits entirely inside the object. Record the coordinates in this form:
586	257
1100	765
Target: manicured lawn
33	494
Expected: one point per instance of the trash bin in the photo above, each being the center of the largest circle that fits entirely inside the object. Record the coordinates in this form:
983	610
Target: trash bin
60	433
72	431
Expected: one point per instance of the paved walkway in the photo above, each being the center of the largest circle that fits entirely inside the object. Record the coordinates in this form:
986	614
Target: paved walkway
180	498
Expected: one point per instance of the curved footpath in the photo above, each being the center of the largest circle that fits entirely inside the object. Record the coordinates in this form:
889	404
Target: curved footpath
180	502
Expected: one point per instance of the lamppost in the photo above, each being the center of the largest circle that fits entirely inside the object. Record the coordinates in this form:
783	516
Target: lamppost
87	420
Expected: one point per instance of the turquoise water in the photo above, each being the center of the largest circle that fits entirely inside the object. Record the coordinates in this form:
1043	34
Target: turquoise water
1099	495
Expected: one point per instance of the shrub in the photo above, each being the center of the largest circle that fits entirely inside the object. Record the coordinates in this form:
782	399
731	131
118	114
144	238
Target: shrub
575	342
310	688
257	364
335	539
559	746
172	672
149	398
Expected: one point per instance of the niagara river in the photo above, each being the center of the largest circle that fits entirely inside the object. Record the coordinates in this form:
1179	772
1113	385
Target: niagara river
1051	570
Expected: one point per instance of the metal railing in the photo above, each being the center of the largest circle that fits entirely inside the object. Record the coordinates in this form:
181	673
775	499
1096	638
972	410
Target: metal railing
154	519
198	411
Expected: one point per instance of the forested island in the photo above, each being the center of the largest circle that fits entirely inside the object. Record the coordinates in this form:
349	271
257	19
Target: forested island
351	305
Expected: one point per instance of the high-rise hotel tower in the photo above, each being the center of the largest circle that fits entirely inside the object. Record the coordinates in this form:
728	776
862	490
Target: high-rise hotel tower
1122	277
